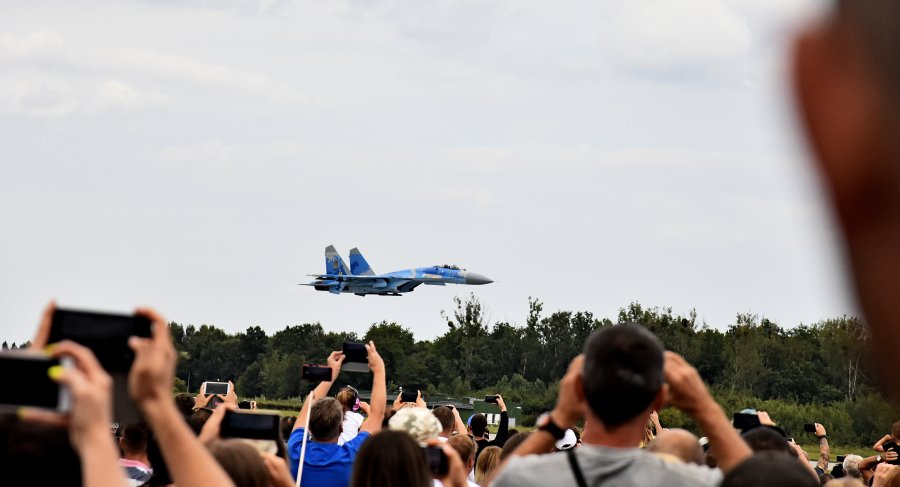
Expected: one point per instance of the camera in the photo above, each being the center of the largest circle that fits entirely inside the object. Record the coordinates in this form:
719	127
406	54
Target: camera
314	372
437	460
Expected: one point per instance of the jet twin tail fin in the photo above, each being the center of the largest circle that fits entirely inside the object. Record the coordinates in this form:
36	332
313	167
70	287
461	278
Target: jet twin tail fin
334	264
358	264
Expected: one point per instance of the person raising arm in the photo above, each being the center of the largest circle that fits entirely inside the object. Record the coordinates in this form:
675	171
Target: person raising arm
150	384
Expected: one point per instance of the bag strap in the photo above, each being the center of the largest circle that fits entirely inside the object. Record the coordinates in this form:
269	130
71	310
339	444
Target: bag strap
576	470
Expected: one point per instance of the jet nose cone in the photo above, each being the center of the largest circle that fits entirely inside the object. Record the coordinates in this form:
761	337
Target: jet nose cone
473	278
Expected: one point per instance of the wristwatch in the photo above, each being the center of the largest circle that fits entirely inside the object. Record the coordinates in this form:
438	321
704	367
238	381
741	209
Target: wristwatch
545	423
878	458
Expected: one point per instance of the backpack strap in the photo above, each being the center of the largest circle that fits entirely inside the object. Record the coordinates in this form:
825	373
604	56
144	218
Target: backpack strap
576	470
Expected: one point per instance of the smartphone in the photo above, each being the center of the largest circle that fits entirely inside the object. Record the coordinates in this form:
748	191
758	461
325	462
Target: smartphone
745	421
437	460
26	383
356	358
840	458
210	388
314	372
490	399
256	426
809	427
409	395
105	334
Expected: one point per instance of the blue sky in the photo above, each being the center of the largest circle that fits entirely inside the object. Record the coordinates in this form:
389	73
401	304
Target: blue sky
198	156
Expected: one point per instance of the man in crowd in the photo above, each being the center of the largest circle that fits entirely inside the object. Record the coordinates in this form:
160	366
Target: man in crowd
134	461
448	423
478	429
614	386
326	463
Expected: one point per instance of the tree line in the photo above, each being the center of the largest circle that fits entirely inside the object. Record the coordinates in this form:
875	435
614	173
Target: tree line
752	360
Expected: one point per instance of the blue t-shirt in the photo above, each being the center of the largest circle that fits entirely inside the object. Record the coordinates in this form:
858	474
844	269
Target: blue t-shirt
326	464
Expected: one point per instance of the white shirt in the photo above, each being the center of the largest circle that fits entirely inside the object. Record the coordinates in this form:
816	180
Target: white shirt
352	422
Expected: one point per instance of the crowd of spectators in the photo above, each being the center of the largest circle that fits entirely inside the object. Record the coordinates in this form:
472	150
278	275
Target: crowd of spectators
603	429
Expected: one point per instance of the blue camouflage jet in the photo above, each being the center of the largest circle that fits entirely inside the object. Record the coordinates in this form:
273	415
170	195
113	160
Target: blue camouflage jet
361	280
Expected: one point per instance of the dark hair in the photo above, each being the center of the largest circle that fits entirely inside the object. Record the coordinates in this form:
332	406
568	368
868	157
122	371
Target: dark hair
445	416
198	419
325	419
287	426
895	430
769	469
763	438
185	404
478	424
623	372
242	462
28	449
513	442
388	459
134	438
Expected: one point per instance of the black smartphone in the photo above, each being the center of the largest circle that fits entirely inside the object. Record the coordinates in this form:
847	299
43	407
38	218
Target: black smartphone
26	383
840	458
809	427
437	460
105	334
315	372
745	421
409	395
490	399
356	358
257	426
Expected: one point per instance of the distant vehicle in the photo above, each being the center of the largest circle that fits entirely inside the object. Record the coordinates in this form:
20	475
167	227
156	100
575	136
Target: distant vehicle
361	280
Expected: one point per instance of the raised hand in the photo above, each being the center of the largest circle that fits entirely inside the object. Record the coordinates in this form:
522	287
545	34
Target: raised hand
153	370
569	408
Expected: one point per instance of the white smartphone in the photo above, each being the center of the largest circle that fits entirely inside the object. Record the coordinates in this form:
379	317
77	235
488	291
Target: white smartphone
27	383
209	388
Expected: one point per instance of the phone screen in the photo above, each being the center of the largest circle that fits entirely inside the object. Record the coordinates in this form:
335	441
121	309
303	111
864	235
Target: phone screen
217	388
258	426
409	395
26	383
105	334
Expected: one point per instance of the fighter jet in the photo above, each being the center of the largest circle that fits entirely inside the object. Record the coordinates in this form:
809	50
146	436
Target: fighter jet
361	280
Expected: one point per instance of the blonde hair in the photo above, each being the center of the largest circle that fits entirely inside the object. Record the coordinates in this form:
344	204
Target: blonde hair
488	460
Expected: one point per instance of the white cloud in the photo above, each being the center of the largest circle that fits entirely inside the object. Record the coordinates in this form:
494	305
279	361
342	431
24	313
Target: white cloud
667	35
46	76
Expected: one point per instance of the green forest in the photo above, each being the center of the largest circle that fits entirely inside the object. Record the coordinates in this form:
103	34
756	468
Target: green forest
809	372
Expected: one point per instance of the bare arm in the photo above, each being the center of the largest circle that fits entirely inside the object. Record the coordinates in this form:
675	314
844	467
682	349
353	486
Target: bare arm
150	384
824	449
688	393
378	401
567	412
879	445
458	422
300	422
91	390
334	361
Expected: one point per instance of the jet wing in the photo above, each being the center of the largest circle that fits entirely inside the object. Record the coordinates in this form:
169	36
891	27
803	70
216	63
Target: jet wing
346	277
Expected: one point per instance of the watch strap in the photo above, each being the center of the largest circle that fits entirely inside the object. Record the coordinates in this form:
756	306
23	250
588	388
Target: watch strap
550	427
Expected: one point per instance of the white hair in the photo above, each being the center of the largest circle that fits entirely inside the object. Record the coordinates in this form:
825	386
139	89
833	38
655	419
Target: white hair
852	461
